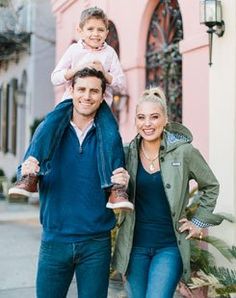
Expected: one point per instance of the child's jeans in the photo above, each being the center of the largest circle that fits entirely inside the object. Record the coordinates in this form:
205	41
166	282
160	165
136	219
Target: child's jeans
110	154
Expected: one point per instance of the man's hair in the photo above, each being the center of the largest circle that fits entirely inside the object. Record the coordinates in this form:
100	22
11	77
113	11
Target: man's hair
93	12
90	72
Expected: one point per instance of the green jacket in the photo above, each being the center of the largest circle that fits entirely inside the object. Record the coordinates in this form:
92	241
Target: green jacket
179	163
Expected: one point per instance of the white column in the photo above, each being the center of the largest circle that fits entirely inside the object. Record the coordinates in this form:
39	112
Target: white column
222	118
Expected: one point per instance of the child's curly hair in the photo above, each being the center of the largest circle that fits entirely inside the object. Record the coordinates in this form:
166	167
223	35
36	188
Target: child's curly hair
93	12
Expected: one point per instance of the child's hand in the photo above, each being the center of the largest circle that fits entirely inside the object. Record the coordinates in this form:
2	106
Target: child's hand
98	66
120	176
30	166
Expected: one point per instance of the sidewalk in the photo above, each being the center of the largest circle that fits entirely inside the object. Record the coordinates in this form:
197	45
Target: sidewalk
19	244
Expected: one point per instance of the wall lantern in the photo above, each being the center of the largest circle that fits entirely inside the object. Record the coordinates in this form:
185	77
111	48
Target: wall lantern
120	102
211	16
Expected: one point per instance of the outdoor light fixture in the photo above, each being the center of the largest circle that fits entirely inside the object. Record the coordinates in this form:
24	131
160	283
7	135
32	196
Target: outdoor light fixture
211	16
120	100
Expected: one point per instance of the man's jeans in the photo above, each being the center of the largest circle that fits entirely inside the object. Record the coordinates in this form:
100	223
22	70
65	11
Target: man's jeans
153	273
46	139
89	260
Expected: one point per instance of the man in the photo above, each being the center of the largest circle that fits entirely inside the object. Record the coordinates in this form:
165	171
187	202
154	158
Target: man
76	223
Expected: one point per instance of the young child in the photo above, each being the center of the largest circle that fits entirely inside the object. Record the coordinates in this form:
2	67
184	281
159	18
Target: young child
90	51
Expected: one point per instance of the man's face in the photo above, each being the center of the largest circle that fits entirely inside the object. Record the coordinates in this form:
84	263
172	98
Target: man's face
87	96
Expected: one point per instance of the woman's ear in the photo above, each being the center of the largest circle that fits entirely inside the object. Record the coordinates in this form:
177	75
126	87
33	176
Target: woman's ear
167	120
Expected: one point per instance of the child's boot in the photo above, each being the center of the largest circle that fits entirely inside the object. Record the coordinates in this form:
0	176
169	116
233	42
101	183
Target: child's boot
24	187
118	199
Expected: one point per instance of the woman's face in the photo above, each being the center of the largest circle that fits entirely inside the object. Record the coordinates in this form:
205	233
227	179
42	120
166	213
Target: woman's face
150	120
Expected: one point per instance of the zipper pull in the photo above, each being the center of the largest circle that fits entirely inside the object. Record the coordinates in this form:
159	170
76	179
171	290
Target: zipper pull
80	149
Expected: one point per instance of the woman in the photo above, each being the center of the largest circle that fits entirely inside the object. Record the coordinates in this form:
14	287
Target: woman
152	248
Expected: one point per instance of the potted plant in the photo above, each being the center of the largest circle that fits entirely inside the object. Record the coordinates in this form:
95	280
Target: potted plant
207	280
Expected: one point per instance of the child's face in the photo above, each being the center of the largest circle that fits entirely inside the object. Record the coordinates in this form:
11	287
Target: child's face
94	33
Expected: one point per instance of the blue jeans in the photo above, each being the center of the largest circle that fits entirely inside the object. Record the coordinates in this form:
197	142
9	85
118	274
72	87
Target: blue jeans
46	139
153	273
89	260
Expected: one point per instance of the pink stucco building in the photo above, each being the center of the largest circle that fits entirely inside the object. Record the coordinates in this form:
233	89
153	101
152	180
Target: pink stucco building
135	26
162	42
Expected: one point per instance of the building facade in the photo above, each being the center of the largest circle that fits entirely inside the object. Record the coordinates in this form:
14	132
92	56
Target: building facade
162	41
27	57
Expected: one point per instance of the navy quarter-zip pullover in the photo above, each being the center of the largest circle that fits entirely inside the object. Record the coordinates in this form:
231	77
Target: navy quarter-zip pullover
73	205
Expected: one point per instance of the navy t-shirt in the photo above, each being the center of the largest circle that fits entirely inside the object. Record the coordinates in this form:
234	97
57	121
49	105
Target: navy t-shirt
153	227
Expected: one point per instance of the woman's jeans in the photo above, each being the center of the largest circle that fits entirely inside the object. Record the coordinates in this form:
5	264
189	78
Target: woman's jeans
89	260
153	273
46	139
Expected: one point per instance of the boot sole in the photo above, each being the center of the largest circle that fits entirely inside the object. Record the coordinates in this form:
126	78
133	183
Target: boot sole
120	205
19	193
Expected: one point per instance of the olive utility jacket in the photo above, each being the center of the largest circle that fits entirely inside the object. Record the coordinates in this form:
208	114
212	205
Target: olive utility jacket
179	163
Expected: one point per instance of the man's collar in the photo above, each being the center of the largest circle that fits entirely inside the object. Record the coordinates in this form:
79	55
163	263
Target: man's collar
86	128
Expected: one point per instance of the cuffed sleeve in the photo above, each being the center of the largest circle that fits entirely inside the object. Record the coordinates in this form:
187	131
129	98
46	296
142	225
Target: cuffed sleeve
118	83
199	223
58	74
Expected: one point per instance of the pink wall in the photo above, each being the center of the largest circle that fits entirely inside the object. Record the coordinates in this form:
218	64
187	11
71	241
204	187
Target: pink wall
194	49
132	21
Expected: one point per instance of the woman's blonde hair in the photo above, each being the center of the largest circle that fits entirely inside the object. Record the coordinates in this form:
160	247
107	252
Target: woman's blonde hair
155	95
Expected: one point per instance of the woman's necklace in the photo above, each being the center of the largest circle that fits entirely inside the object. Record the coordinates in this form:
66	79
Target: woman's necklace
152	160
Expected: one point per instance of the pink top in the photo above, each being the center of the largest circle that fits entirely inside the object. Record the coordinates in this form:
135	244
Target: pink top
77	54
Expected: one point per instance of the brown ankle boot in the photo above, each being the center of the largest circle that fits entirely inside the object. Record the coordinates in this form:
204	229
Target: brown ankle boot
24	187
118	199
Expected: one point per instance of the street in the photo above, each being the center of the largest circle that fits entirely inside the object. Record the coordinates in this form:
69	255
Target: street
19	244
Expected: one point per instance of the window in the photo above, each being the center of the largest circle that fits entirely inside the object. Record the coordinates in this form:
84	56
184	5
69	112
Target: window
113	40
1	107
8	117
5	117
163	60
13	121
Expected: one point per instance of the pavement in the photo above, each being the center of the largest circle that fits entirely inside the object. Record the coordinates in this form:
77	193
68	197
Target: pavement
20	232
19	245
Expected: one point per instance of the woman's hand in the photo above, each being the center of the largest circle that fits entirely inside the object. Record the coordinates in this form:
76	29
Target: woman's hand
120	176
193	230
30	166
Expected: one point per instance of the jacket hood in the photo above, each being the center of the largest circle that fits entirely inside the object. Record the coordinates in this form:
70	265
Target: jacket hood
176	134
